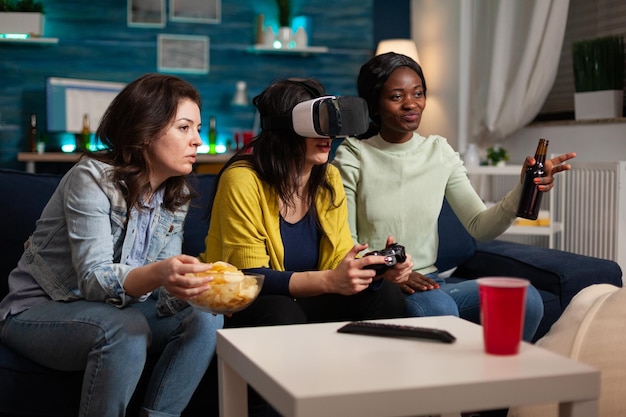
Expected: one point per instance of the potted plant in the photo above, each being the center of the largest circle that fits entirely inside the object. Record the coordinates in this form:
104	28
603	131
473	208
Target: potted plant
284	13
284	22
599	77
21	18
497	155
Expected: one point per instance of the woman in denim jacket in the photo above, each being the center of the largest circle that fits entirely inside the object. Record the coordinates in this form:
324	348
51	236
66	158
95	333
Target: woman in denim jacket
102	282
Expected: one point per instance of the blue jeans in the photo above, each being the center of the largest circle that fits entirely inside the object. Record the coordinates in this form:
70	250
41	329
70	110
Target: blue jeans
111	345
462	300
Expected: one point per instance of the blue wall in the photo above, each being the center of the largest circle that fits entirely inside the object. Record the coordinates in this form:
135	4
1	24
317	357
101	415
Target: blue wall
95	43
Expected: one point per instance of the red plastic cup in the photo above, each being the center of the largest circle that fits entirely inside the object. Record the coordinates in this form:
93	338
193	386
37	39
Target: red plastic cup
502	308
244	137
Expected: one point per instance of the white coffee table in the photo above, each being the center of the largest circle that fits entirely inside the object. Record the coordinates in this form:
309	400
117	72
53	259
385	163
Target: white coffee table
313	371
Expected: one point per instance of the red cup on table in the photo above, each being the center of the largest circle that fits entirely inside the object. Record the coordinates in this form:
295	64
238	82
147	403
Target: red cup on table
502	309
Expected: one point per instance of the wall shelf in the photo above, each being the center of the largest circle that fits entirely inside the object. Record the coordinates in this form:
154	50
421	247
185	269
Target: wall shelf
263	49
30	158
31	41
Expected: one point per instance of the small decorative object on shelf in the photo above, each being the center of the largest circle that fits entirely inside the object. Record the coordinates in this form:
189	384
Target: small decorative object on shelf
240	98
212	136
260	29
286	41
497	155
268	37
41	144
284	12
23	6
32	133
21	19
84	142
36	140
599	77
301	38
285	33
471	158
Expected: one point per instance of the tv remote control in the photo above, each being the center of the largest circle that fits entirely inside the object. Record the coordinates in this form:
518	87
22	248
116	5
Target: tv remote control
396	330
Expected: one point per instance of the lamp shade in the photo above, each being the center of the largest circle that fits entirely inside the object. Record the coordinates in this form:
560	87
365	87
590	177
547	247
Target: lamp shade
240	98
400	46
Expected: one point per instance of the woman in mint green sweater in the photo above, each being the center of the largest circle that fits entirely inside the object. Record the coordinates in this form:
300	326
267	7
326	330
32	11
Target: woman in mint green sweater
395	181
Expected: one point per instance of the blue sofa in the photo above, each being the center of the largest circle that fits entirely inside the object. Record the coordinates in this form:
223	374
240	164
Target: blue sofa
28	389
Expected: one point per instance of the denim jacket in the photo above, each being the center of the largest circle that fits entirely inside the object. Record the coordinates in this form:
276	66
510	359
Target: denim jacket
79	246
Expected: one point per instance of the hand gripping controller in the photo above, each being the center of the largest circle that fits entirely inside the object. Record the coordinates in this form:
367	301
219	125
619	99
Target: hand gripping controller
393	254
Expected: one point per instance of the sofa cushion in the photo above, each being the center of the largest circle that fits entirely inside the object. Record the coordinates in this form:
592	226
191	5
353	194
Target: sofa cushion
29	193
24	196
591	330
61	389
197	223
456	245
553	270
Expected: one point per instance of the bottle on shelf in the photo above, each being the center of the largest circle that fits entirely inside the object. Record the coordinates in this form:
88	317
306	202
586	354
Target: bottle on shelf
85	135
33	136
240	98
212	136
471	159
531	196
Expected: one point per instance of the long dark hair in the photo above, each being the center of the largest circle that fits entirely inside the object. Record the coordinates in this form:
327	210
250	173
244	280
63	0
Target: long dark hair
136	117
373	75
278	155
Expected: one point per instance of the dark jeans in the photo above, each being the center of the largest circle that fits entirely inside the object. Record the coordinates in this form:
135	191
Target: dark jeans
269	310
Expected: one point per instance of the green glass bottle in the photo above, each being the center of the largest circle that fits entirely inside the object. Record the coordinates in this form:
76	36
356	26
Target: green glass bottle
85	135
212	136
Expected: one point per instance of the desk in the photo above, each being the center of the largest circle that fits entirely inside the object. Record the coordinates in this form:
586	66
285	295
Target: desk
213	162
311	371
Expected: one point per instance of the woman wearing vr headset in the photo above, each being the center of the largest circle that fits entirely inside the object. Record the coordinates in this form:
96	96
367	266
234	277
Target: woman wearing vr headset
425	170
280	210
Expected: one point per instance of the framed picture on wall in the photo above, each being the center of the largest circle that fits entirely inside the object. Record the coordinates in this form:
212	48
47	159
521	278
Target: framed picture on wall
183	54
146	13
196	11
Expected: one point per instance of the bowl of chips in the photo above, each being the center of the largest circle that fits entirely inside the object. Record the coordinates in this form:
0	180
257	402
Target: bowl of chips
231	290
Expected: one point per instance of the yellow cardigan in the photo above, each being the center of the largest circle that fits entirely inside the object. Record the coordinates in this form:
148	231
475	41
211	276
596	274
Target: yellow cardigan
245	228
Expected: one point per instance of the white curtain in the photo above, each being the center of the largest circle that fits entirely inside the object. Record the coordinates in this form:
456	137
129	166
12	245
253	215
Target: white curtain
516	50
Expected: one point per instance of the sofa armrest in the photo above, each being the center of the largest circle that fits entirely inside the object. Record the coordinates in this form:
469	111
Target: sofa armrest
559	272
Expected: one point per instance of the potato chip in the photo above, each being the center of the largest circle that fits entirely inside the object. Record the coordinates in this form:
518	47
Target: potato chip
231	290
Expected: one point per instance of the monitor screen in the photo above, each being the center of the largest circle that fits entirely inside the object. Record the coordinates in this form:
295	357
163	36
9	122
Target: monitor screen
68	100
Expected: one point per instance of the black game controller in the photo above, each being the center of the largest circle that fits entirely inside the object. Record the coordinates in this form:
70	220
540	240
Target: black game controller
393	254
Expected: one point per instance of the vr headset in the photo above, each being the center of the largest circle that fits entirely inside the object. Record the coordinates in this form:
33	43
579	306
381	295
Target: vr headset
323	117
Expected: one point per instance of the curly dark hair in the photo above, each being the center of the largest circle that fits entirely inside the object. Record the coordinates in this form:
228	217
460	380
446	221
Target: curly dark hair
136	117
373	76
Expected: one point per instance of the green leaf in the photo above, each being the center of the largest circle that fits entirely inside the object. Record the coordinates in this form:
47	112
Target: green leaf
599	64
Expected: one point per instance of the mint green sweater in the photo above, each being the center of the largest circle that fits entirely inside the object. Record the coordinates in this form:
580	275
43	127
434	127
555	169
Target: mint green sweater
398	189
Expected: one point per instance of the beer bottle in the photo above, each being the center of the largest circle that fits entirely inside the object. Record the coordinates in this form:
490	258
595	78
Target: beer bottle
85	134
212	136
531	196
32	134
